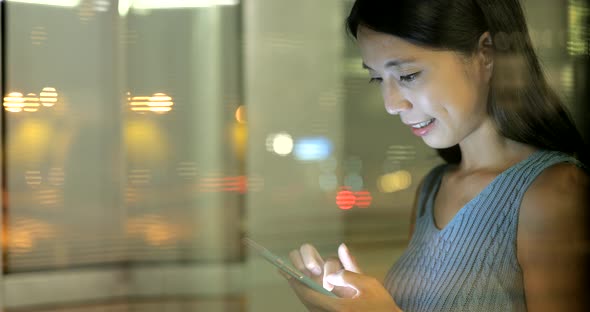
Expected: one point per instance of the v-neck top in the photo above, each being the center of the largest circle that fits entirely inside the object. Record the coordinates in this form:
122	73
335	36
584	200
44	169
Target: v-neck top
471	264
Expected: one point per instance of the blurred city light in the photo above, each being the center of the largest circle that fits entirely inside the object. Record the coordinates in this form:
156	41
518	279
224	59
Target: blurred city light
280	143
240	138
345	199
38	35
171	4
400	153
578	13
31	141
14	102
159	103
237	184
187	170
25	232
363	199
241	114
309	149
50	197
126	5
154	230
56	176
139	176
48	97
146	142
62	3
31	103
33	178
396	181
102	5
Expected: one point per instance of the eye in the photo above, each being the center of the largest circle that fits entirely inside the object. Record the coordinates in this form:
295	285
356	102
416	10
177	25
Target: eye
410	77
375	80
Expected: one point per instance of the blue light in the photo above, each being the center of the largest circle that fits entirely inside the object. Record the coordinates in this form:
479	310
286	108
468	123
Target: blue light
313	148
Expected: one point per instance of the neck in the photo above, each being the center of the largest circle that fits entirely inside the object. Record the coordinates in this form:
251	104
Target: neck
486	149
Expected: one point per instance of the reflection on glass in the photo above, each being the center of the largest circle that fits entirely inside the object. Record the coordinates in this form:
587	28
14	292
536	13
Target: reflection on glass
280	143
158	103
395	181
16	102
62	3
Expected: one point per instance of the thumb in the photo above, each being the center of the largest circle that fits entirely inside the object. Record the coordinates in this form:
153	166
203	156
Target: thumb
348	261
344	278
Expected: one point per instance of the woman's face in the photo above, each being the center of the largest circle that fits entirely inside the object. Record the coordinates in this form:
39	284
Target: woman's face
440	95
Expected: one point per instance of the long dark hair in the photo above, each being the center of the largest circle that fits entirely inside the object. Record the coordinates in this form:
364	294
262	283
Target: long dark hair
521	103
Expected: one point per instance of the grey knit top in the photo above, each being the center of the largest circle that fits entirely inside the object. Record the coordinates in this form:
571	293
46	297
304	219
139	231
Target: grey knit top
471	264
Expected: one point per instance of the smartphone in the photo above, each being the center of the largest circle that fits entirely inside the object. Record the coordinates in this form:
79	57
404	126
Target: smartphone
285	267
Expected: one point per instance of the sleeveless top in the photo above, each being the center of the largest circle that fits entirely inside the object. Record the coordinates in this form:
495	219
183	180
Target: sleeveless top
471	264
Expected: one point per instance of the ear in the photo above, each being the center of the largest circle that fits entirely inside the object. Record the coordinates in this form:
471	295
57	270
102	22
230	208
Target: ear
485	53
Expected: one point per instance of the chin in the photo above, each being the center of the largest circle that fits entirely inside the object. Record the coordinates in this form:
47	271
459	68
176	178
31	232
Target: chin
439	143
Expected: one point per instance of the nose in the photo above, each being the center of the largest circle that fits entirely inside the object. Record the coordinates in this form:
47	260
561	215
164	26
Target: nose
395	102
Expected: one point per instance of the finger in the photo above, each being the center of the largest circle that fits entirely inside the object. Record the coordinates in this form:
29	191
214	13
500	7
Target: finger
312	259
331	266
361	283
344	292
285	275
297	261
348	261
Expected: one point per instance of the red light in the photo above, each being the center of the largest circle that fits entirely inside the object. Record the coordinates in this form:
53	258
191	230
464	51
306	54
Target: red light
363	199
345	199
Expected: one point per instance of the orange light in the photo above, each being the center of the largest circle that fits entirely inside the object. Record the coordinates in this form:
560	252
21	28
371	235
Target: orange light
23	235
155	230
241	114
345	199
240	138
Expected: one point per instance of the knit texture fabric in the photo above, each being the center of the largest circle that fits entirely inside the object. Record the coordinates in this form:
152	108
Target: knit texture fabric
471	264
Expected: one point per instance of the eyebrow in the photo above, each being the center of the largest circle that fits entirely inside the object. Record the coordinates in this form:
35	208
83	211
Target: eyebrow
392	63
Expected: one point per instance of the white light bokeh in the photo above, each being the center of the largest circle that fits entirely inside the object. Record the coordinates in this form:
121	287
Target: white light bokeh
281	143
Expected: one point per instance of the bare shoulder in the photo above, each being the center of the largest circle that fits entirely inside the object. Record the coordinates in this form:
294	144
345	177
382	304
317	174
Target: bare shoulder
557	200
552	240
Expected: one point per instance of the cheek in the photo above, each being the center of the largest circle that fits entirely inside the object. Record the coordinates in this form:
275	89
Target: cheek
458	98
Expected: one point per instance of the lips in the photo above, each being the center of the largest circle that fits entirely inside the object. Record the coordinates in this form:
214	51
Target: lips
422	124
423	128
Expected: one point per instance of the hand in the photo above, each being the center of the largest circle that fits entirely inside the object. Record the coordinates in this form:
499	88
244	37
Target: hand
342	276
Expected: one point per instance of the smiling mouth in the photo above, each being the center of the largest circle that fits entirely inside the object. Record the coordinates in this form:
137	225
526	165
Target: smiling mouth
422	124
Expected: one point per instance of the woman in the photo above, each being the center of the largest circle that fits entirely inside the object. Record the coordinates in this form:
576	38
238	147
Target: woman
502	225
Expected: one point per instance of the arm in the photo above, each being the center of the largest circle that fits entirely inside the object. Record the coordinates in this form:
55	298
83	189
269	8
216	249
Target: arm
552	240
